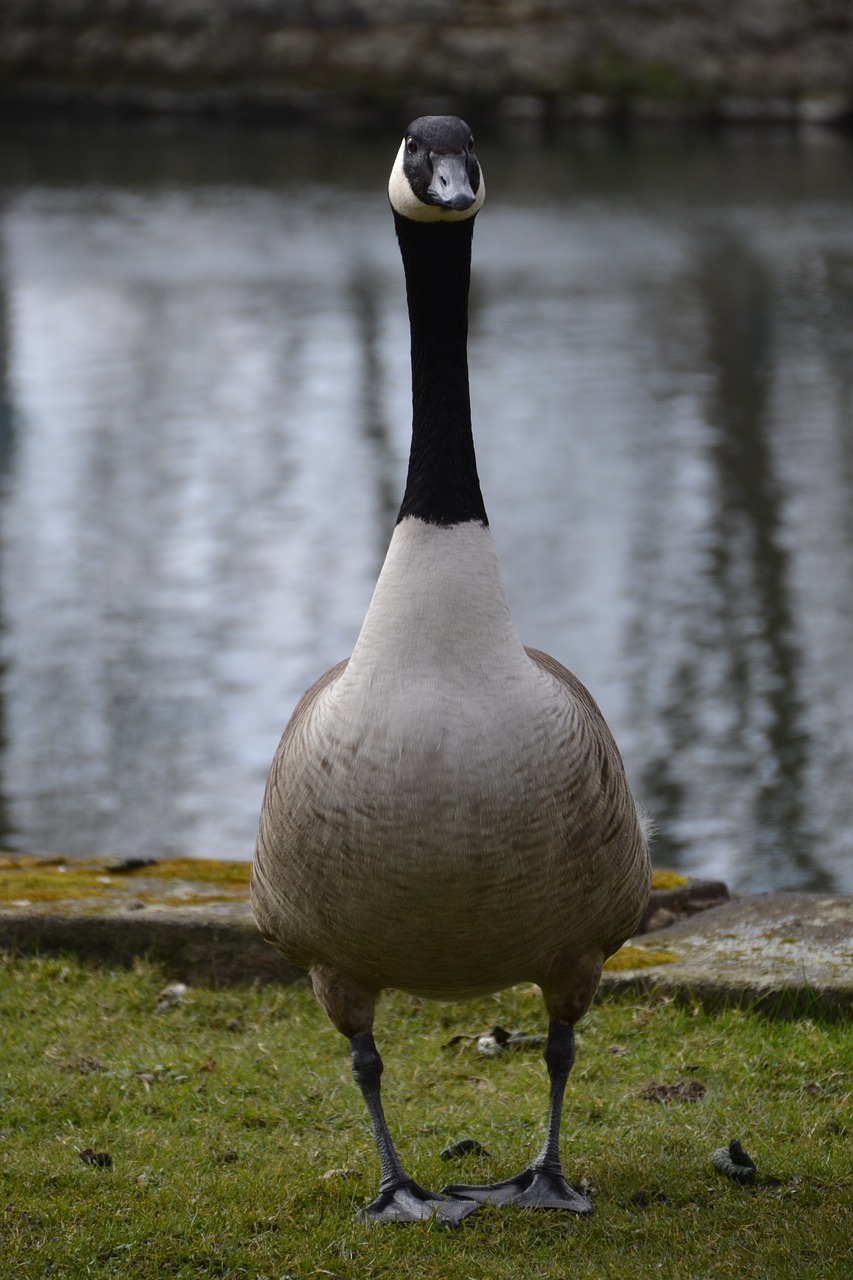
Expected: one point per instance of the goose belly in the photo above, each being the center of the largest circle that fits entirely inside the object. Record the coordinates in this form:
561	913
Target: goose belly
449	863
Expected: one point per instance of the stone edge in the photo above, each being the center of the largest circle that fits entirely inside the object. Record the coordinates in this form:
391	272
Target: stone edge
209	952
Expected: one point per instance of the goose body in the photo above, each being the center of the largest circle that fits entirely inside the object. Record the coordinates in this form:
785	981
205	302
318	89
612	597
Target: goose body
447	812
443	787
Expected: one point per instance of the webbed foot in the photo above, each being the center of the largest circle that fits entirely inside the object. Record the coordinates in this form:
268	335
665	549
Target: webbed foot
407	1202
534	1188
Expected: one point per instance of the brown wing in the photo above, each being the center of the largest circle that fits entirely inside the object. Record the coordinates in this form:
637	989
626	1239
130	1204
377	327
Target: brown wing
262	899
579	692
619	825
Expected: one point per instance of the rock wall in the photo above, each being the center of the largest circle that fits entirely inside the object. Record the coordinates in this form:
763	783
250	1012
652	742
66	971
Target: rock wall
778	58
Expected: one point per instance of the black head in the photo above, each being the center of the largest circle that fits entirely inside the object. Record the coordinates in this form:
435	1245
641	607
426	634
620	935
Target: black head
436	176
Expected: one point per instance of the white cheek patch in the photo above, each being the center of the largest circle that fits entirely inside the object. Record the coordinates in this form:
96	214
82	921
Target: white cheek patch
406	203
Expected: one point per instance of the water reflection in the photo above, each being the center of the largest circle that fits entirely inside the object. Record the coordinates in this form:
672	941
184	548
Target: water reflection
750	560
366	308
205	355
7	443
742	606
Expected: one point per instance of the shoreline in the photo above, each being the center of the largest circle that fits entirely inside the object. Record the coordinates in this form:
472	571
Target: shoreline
786	953
345	62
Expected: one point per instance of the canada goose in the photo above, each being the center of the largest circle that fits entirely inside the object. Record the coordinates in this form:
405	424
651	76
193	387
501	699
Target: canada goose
447	812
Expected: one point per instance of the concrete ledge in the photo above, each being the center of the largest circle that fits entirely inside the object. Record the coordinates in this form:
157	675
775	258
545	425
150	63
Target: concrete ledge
786	953
201	947
192	915
669	905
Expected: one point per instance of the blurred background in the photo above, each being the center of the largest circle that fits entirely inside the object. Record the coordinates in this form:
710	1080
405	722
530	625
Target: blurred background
204	409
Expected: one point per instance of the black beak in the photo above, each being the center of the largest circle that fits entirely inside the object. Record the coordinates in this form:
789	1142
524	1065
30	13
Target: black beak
450	187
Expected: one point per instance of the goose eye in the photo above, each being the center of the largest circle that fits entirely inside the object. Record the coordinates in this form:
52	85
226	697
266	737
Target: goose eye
411	146
471	143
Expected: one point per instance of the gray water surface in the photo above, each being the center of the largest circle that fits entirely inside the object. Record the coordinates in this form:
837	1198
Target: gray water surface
205	415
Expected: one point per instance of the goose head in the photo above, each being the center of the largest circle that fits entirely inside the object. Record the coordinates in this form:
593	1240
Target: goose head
436	176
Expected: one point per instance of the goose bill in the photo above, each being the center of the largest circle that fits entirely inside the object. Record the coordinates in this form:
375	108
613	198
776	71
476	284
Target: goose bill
450	187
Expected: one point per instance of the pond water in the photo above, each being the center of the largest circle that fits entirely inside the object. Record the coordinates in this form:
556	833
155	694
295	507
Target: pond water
205	414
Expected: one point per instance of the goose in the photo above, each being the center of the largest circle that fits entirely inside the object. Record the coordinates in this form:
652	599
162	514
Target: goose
447	812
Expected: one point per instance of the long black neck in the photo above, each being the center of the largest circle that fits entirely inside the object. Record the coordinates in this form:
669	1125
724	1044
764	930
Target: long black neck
442	486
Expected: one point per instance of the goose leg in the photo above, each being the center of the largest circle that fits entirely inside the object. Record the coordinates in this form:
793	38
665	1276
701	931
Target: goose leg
400	1199
542	1184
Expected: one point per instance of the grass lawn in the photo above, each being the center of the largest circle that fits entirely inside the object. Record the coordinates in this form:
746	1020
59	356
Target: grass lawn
222	1115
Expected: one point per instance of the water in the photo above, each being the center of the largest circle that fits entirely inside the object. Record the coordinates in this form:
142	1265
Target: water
204	365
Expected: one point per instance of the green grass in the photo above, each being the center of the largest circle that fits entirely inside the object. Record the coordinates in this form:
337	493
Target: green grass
223	1113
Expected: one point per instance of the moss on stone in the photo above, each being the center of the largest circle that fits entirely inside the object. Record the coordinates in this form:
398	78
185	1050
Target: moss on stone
208	870
52	882
638	957
47	880
662	879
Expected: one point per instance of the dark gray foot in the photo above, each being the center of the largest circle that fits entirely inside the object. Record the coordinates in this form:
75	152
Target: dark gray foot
535	1188
411	1203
